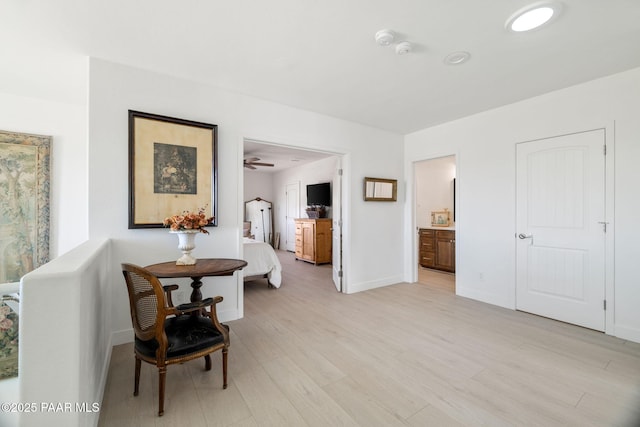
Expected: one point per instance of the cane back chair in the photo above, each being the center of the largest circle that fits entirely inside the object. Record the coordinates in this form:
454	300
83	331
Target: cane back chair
166	334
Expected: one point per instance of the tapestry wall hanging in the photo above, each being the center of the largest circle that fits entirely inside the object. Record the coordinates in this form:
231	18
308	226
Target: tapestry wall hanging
24	211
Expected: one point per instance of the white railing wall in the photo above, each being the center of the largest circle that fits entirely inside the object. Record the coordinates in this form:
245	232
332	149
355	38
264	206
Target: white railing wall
65	338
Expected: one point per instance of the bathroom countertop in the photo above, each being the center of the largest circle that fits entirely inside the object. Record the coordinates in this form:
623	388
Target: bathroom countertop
452	228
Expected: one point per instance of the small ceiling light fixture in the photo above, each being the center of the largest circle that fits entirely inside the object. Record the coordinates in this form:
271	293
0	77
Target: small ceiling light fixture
385	37
533	16
457	58
403	48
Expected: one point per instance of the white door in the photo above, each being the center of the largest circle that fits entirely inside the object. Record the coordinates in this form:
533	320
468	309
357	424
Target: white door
560	234
336	227
293	212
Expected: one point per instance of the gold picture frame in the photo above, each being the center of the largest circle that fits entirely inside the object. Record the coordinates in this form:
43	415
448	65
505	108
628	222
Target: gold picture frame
380	190
24	211
441	218
172	168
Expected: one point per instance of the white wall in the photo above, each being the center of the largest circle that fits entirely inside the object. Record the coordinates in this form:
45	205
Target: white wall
485	149
434	188
66	123
312	173
258	184
113	89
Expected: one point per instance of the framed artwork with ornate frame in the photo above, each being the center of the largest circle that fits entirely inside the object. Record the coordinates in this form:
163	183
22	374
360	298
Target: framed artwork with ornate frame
24	211
441	218
172	168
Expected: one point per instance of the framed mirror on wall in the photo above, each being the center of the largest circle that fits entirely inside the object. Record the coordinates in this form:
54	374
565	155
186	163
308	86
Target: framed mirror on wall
380	190
259	213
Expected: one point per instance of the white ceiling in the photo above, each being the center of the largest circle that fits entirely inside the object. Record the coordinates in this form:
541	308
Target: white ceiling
321	55
280	156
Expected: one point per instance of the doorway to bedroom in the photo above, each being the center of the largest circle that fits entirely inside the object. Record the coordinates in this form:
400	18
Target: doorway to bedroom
281	174
435	216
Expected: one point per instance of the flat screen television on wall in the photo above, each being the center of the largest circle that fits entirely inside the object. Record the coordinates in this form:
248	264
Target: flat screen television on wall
319	194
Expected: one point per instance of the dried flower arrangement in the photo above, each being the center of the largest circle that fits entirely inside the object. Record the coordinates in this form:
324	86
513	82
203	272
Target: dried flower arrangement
189	221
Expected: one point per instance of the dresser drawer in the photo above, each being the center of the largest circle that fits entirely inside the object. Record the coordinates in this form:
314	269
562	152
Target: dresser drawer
424	232
446	234
427	244
427	259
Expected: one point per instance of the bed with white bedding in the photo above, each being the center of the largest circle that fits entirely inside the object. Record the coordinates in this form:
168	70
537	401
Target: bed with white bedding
262	261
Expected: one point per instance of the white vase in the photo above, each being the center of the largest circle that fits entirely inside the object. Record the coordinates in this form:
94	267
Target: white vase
186	243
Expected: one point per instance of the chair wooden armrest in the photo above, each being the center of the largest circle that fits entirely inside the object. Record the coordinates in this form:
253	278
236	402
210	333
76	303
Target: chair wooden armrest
194	306
167	290
222	328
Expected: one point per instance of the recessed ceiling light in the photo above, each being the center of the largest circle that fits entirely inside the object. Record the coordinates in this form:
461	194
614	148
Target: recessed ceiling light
457	58
533	16
384	37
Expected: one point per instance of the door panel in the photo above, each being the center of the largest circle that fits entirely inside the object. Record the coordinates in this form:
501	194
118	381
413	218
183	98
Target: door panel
560	240
308	243
560	272
445	254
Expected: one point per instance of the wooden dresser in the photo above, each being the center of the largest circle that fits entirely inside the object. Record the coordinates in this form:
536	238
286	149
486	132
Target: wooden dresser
437	249
313	240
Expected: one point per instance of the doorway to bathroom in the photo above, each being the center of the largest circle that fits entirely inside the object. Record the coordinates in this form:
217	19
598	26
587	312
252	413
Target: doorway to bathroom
435	214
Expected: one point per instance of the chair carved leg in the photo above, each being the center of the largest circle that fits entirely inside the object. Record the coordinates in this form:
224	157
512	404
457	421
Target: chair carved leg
207	362
225	354
162	371
136	381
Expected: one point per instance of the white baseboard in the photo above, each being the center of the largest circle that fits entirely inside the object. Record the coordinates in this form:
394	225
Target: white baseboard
228	315
365	286
489	298
102	385
122	337
627	333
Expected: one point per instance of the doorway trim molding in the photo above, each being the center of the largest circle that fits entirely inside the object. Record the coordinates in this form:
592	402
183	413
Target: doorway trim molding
346	195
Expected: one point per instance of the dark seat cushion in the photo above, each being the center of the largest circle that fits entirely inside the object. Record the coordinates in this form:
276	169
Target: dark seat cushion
186	334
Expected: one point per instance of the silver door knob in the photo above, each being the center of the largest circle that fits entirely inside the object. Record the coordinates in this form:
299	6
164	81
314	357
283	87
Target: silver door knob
525	236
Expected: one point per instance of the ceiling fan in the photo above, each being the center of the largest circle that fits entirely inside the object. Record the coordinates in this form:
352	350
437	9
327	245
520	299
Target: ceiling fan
252	162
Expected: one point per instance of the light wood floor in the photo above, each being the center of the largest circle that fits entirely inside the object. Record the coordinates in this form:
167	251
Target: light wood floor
403	355
437	279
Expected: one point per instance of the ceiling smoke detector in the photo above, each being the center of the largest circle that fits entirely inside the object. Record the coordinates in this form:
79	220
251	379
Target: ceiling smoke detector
385	37
403	48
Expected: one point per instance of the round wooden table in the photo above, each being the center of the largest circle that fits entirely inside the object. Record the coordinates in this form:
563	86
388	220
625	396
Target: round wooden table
204	267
